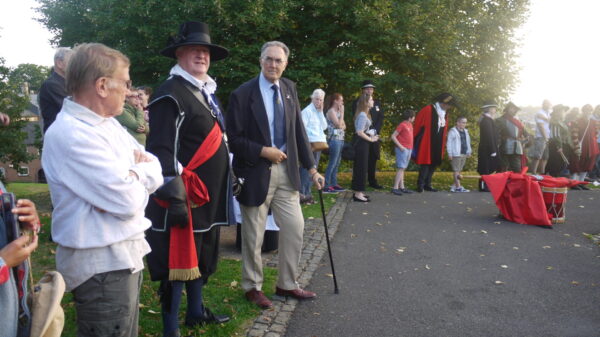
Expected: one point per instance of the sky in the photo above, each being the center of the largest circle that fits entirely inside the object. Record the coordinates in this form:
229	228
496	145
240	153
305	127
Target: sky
559	53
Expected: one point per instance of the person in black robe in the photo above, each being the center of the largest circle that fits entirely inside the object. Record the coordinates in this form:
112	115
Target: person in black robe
487	161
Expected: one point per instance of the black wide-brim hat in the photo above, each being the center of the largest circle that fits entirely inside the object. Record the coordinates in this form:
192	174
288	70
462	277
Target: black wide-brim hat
367	84
446	98
194	33
511	105
489	104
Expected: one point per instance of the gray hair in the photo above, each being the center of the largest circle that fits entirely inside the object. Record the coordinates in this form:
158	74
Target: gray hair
318	93
61	53
279	44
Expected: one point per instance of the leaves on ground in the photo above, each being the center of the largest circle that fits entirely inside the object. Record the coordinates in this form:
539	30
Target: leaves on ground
498	282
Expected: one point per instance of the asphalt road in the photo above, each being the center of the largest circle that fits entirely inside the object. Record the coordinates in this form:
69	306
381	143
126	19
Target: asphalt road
442	264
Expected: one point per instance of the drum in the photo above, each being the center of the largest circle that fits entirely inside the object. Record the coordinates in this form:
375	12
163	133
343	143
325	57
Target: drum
555	199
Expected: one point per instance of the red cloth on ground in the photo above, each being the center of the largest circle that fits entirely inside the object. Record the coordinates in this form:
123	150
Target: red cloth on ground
182	248
519	196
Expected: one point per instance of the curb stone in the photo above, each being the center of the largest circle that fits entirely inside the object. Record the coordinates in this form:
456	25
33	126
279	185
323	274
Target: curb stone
274	322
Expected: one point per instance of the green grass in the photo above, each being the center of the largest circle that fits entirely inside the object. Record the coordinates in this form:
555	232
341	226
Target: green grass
441	180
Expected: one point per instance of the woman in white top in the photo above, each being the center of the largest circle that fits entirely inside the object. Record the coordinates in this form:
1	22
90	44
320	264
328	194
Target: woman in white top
364	136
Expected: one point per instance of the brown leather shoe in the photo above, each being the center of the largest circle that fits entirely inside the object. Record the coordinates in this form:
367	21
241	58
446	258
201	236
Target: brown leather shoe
298	293
258	297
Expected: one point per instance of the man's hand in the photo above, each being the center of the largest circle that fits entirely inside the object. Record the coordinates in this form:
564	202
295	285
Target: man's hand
140	157
27	214
273	154
4	119
140	129
317	178
18	251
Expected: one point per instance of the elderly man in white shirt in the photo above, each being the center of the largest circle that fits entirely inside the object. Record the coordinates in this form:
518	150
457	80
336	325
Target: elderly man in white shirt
100	179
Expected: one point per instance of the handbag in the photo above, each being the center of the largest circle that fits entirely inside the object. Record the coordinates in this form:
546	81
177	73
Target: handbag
48	318
318	146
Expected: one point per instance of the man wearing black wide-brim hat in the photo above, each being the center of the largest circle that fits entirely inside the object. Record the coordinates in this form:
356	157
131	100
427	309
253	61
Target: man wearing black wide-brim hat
187	135
512	136
430	129
489	143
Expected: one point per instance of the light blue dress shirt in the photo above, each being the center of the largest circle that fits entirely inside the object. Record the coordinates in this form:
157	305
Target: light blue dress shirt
267	96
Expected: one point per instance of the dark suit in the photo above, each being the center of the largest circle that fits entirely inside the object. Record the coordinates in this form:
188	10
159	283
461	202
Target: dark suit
268	185
52	94
374	147
248	132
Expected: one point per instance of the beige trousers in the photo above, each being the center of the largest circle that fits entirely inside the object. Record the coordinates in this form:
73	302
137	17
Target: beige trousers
284	201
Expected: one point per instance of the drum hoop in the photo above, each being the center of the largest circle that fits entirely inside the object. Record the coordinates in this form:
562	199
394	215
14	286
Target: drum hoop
560	190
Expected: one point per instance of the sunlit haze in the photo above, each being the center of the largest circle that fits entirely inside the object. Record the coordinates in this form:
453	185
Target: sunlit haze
558	57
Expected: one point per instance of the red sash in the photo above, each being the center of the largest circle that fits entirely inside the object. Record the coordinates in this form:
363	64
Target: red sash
183	258
521	128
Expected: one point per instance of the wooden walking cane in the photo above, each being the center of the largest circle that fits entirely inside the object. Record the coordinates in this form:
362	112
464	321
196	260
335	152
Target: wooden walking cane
335	285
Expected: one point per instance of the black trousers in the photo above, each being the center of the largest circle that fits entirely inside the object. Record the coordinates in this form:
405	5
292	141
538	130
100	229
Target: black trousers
374	150
425	174
359	169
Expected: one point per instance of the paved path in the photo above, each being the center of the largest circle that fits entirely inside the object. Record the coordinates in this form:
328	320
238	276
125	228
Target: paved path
441	264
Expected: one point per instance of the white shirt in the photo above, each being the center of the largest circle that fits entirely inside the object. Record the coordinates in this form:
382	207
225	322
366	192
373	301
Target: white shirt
209	85
441	115
98	218
545	123
314	123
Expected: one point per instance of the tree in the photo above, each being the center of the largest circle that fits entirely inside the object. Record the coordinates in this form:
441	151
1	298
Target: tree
413	49
34	75
12	137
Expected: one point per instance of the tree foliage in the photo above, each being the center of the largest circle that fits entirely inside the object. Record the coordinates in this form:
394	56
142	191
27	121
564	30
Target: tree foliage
12	103
413	49
32	74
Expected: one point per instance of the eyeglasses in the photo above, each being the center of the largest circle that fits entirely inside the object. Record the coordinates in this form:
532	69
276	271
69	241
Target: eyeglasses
128	83
269	59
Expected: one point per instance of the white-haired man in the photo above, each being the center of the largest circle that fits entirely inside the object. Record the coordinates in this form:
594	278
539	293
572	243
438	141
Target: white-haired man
53	91
100	179
314	123
268	142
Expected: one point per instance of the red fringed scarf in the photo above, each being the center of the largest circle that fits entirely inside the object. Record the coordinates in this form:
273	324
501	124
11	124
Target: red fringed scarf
183	258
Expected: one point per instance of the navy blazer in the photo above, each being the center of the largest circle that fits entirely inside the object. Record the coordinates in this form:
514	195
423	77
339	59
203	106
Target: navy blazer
248	132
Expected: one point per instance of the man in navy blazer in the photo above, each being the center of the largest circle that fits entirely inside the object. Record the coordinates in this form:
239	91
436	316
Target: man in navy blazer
268	141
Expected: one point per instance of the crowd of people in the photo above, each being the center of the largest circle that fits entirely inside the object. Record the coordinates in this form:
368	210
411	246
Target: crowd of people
136	174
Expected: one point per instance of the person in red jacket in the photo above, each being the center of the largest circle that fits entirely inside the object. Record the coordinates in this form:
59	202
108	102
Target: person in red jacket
430	128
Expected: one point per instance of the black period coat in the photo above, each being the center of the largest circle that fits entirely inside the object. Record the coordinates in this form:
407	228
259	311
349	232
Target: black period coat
171	99
488	144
